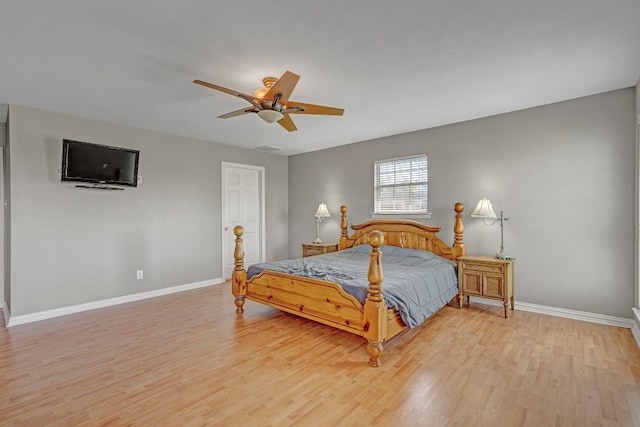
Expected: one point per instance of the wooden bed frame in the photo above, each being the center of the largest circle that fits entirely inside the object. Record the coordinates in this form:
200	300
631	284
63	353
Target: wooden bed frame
327	302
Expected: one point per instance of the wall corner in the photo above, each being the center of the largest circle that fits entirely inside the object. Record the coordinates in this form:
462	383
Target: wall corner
635	329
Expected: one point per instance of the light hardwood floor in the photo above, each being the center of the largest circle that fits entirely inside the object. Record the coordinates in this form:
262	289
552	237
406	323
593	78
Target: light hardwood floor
187	360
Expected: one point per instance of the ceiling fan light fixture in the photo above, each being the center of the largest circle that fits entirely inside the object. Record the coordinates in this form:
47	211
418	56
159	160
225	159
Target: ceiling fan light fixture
260	92
270	116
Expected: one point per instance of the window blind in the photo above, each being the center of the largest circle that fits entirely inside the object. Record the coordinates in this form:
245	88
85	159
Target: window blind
402	185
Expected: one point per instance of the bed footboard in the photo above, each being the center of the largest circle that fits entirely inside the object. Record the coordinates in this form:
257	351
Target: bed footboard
370	321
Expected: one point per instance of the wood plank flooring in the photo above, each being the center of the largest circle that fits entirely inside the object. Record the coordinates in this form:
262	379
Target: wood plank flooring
187	360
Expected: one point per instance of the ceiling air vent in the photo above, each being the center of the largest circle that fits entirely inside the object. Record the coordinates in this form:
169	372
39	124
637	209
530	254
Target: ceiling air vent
268	148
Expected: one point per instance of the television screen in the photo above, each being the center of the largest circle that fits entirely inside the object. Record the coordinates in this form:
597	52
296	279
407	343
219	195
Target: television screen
99	164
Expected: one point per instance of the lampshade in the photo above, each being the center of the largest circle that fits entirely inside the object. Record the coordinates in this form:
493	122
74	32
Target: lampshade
484	210
322	211
270	116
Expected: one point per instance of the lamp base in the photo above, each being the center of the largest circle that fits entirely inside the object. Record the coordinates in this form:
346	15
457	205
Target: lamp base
503	255
318	221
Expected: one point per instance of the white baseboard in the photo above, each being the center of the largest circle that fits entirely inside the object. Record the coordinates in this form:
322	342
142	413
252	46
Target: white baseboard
63	311
566	313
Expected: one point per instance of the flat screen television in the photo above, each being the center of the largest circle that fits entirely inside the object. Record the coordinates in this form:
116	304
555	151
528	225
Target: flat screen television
99	164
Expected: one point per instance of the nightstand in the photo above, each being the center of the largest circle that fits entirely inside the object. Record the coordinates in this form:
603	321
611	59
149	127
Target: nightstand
310	249
486	277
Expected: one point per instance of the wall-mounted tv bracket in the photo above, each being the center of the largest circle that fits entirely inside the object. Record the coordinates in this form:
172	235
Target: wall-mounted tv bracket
98	187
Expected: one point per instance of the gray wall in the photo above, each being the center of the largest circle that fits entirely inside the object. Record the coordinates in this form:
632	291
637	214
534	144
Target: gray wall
3	143
70	246
637	194
563	174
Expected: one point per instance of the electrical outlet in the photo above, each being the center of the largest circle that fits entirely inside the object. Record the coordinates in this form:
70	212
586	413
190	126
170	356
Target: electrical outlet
140	274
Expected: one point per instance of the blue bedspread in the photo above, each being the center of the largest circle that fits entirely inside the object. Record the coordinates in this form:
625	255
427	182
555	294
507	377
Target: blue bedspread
416	283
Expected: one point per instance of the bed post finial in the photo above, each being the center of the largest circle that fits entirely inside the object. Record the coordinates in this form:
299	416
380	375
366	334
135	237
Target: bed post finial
343	226
239	275
343	221
375	309
458	233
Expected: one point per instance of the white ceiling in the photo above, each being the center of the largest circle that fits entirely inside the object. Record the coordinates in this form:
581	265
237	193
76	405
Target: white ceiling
394	67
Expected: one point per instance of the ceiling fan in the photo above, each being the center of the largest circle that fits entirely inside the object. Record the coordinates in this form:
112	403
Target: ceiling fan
271	102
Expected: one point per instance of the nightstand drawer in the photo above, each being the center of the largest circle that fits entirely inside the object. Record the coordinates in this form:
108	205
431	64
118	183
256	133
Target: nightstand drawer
311	249
484	268
314	250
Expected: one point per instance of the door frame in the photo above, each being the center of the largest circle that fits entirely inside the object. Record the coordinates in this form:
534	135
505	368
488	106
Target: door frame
227	253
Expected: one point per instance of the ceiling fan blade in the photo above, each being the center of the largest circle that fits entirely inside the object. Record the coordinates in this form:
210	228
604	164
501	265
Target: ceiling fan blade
284	85
287	123
237	113
313	109
248	98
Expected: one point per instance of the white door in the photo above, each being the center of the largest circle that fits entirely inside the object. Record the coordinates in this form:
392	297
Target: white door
242	204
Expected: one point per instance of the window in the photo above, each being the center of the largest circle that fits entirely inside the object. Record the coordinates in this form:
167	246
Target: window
401	185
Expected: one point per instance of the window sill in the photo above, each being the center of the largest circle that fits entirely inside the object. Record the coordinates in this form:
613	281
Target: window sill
400	215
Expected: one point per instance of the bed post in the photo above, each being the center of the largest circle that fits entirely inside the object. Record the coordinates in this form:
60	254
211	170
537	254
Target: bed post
458	248
344	234
375	309
239	275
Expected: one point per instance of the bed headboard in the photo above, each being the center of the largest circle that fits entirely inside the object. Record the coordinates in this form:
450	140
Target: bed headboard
406	234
